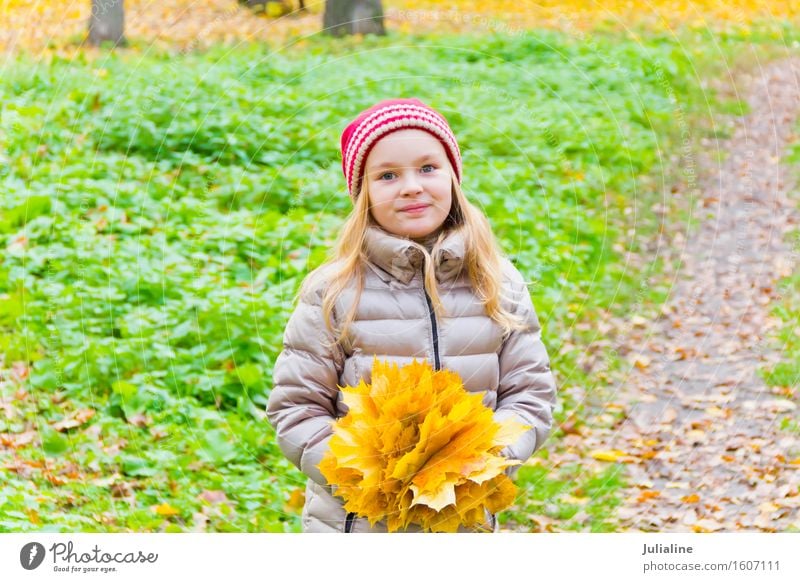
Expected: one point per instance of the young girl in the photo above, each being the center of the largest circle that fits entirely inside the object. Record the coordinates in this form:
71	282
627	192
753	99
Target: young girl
416	273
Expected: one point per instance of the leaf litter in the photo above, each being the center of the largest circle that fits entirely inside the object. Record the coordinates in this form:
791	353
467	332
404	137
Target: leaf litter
700	437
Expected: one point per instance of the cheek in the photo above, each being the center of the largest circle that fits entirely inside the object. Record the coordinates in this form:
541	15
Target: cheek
378	199
445	197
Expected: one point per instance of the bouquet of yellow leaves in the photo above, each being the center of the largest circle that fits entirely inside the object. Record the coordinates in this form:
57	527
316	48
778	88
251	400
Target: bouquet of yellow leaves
416	448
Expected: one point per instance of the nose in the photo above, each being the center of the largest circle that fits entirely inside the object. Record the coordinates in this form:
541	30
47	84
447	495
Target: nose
410	184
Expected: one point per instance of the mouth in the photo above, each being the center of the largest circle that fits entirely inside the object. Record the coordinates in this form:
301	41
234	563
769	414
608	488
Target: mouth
416	209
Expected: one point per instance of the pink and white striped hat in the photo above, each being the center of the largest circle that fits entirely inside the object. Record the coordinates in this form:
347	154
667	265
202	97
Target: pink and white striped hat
383	118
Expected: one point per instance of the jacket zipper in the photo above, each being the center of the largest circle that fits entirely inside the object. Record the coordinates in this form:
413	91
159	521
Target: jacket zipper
437	365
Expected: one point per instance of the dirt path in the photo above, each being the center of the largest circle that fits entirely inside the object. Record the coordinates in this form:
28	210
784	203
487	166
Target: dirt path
702	430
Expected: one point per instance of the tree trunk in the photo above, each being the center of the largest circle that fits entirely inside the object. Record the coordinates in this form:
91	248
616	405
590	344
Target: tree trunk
107	22
353	17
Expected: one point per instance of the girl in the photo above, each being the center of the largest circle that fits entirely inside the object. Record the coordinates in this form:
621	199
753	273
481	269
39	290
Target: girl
416	273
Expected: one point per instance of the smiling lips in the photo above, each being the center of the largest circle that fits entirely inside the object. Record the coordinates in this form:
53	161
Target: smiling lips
415	209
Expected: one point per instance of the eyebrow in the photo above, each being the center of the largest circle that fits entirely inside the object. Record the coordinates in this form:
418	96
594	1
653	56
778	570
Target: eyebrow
393	164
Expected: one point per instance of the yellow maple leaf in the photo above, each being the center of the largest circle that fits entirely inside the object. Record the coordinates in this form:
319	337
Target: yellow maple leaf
296	500
611	455
416	448
165	509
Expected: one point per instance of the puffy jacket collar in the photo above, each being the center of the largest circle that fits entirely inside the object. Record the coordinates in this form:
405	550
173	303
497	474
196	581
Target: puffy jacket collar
402	258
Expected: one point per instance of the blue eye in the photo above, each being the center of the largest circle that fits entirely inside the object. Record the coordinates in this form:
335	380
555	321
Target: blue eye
391	175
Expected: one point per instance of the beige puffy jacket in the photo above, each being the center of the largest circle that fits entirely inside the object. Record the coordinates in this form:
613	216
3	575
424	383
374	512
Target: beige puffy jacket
396	322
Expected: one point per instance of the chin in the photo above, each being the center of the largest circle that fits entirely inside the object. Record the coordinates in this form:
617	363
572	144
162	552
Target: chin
413	230
419	233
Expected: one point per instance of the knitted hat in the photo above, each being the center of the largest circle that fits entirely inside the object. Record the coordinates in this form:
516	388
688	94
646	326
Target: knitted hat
361	135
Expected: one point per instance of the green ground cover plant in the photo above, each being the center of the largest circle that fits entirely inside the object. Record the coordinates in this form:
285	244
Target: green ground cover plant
784	377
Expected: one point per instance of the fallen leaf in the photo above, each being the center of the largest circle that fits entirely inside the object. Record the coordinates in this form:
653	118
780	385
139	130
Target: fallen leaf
779	405
20	370
670	414
695	436
611	455
200	521
710	524
764	521
16	441
541	523
54	479
297	499
645	495
121	490
213	497
139	420
718	412
690	517
570	426
84	415
78	418
768	507
66	424
641	361
165	510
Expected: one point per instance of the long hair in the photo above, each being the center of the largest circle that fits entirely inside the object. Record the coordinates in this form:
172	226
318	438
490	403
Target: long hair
345	262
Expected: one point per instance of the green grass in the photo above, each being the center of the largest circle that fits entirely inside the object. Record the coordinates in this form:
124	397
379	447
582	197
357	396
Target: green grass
784	376
160	211
578	500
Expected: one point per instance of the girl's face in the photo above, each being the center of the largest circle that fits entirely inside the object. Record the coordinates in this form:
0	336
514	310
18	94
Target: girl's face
409	183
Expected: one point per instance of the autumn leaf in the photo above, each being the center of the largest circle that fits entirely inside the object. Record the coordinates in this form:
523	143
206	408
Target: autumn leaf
297	499
611	455
17	440
165	510
213	497
641	361
768	507
138	419
416	448
78	418
572	425
706	526
33	516
696	436
718	412
645	495
20	369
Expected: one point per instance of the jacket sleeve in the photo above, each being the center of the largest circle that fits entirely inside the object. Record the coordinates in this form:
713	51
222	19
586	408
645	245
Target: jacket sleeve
527	389
302	403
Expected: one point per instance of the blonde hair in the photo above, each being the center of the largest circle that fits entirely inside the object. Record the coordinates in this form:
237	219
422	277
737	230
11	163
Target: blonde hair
482	262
